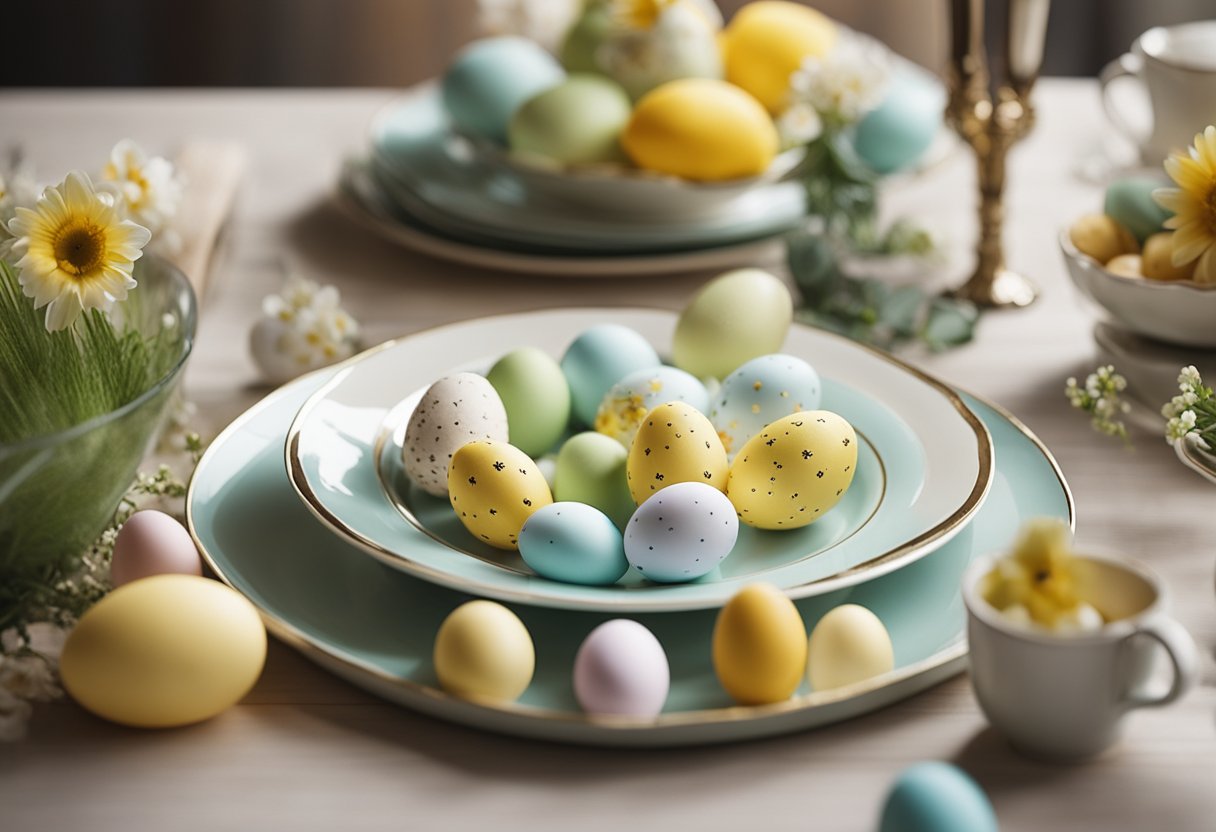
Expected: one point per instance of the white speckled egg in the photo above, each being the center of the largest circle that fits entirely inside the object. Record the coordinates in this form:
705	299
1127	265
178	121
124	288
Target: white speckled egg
453	411
681	533
630	399
621	670
759	393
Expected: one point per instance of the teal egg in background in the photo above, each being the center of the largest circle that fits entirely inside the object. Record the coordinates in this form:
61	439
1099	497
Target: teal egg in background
489	79
937	797
597	359
1130	201
894	135
573	543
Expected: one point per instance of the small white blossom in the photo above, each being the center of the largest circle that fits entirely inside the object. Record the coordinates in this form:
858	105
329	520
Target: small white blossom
149	190
14	716
29	677
1100	398
1189	379
18	189
799	124
302	328
844	84
544	21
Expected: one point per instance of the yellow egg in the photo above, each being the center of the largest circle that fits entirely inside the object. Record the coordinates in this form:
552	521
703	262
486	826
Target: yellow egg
483	650
1126	265
1102	237
494	487
737	316
792	472
848	645
675	443
759	646
164	651
700	129
766	41
1156	262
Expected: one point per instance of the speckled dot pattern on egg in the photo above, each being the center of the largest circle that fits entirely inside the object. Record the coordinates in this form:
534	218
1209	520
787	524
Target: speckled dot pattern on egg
681	533
761	392
453	411
494	488
626	405
675	443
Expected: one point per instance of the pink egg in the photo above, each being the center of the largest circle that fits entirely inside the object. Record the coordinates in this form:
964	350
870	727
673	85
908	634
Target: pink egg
153	543
621	669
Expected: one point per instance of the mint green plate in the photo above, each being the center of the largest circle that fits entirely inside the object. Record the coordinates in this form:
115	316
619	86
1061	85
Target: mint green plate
375	626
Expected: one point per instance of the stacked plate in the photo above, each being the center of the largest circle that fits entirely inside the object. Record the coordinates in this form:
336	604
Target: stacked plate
356	569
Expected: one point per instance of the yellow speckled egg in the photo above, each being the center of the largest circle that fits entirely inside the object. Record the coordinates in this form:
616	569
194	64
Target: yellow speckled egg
848	645
164	651
737	316
675	443
792	472
766	41
701	129
759	646
494	487
483	650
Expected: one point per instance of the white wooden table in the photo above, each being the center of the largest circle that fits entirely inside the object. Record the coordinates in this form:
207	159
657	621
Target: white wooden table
305	751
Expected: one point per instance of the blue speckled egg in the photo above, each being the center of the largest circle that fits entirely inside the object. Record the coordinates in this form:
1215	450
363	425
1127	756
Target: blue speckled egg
630	399
599	358
895	134
489	79
681	533
937	797
573	543
759	393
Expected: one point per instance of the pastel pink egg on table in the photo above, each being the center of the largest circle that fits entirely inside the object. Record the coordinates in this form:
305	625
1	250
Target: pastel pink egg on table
153	543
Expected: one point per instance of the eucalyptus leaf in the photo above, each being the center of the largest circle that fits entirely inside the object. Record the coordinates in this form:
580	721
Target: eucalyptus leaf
950	322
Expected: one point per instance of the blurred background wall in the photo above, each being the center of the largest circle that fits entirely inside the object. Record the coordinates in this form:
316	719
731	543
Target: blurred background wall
399	42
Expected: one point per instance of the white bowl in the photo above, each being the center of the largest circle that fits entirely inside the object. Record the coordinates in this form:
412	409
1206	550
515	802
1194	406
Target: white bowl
1178	311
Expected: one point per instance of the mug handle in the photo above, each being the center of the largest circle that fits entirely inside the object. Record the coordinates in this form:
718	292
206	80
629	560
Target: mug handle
1184	656
1126	65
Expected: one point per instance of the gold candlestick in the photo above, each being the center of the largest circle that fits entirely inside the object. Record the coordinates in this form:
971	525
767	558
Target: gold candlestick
991	122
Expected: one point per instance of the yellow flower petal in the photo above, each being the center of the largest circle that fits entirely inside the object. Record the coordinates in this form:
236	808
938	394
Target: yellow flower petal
1189	241
1205	269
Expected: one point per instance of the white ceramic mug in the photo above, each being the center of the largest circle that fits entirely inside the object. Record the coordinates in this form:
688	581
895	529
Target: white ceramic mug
1066	696
1177	65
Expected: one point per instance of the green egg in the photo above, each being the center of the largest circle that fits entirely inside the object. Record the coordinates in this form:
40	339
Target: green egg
579	121
591	470
536	397
1130	201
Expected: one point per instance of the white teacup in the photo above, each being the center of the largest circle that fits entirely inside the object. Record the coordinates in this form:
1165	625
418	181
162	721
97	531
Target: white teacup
1177	65
1065	696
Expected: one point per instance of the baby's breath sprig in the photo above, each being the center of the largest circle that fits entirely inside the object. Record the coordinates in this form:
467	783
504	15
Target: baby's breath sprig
1192	411
1100	397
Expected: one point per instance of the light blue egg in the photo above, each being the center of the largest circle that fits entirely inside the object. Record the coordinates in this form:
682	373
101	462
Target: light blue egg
625	406
573	543
759	393
489	79
937	797
599	358
895	134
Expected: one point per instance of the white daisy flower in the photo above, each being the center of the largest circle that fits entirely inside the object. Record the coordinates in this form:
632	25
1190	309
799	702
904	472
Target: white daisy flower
150	188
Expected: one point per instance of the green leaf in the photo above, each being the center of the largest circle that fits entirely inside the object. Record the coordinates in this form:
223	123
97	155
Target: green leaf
950	322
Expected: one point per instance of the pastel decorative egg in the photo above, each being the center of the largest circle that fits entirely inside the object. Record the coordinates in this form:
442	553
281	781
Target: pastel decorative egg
761	392
152	543
734	318
681	533
573	543
621	670
591	470
700	129
483	651
936	797
489	79
578	122
535	396
767	41
494	488
848	645
1126	265
1156	260
630	399
794	471
896	133
453	411
1102	237
1130	202
597	359
675	443
164	651
759	646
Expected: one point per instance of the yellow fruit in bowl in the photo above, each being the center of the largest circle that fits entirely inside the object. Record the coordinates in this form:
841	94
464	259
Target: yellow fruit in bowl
1101	237
1156	263
700	129
766	41
1126	265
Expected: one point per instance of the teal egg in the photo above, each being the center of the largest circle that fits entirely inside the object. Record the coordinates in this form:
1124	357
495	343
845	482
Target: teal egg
573	543
1130	201
895	134
535	395
591	469
577	122
489	79
599	358
937	797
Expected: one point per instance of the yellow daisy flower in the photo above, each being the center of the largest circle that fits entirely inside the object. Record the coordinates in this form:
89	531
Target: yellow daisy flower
1194	205
75	251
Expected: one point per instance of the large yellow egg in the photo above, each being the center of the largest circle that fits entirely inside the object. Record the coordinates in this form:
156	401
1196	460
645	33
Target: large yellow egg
701	129
494	487
484	650
792	472
759	646
766	41
675	443
164	651
847	646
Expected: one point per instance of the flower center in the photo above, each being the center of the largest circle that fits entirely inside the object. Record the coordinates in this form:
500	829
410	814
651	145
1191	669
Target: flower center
80	248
